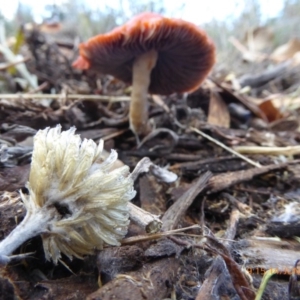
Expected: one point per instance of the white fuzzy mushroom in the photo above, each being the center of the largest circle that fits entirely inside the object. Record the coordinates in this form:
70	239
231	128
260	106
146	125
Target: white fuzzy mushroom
76	201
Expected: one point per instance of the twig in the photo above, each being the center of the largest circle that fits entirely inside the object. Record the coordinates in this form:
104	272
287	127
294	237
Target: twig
259	80
248	160
158	100
156	132
5	66
149	222
242	207
70	97
114	134
231	229
156	236
175	212
238	45
225	180
287	151
40	88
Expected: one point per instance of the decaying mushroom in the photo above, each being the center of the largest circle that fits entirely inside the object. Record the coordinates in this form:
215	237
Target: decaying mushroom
156	54
76	201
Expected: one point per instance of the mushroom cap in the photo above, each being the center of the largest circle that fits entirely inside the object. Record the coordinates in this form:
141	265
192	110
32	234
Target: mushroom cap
185	53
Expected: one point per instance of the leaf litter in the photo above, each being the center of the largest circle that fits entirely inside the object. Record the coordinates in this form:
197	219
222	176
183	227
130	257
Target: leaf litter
237	211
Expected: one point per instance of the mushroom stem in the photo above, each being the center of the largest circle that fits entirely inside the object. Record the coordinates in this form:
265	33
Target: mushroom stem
138	113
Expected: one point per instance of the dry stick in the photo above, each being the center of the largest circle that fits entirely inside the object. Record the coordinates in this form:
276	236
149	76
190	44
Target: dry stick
114	134
256	81
238	45
151	223
231	229
5	66
266	191
176	211
248	160
225	180
69	96
287	151
242	207
158	100
202	218
40	88
156	236
157	131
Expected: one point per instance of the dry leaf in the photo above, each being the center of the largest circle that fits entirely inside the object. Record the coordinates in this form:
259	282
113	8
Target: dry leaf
259	38
248	55
271	112
296	59
218	113
287	51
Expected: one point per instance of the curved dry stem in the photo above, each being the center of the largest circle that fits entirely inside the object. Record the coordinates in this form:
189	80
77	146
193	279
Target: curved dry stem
34	223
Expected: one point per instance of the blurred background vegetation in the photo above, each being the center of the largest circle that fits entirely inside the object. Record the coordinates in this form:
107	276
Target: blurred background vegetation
80	20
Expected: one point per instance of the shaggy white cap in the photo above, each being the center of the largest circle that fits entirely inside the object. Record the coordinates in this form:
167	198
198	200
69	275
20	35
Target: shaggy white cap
85	201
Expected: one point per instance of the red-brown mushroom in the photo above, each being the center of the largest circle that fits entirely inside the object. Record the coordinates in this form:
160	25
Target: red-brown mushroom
156	54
